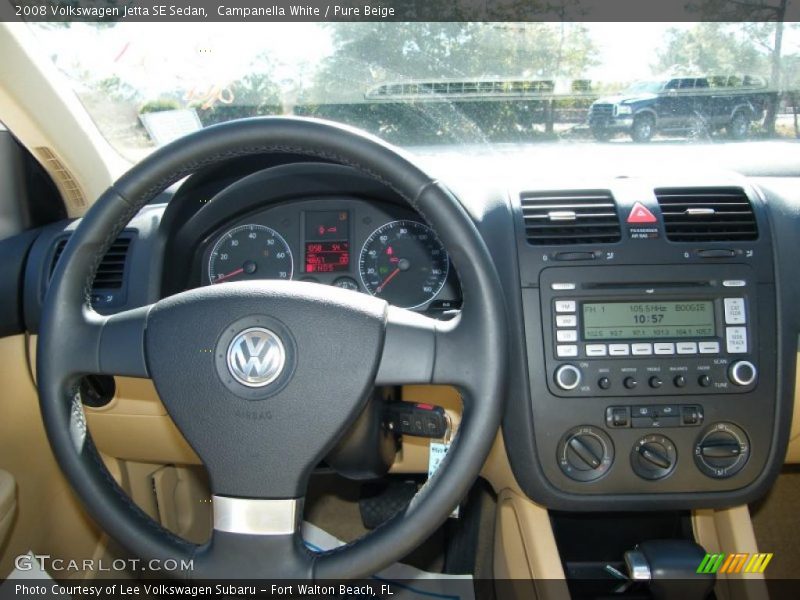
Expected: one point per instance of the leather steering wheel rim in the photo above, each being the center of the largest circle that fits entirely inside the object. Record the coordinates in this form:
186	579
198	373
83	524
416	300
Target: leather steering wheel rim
469	353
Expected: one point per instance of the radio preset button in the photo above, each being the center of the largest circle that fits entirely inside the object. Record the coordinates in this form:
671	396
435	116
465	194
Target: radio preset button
565	306
596	350
642	349
736	340
568	377
664	348
566	350
709	347
619	349
566	321
567	335
630	382
734	311
562	286
687	347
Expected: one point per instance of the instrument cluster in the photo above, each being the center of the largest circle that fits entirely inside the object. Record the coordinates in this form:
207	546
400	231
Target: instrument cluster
371	247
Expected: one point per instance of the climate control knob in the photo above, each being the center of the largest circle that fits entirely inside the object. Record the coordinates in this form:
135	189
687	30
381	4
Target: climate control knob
568	377
653	457
722	450
742	372
585	453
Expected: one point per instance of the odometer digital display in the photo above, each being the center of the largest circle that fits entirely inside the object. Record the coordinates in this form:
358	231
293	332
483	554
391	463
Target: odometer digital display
327	257
648	320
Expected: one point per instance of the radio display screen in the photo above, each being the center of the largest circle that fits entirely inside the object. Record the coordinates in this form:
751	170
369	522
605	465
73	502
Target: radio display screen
648	320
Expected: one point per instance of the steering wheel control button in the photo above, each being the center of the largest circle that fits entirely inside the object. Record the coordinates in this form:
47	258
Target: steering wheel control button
743	373
722	450
256	357
585	453
653	457
736	340
734	311
568	377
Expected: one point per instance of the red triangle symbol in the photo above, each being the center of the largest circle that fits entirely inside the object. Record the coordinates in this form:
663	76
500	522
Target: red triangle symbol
641	214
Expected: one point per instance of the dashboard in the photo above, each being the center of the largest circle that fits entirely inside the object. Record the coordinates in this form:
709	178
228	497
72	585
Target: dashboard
653	315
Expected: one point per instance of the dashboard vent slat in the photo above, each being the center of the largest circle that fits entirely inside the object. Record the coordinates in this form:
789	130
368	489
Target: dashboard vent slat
707	214
570	217
111	271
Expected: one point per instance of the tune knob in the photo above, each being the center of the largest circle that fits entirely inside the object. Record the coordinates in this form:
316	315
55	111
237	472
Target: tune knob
722	450
568	377
653	457
585	453
742	372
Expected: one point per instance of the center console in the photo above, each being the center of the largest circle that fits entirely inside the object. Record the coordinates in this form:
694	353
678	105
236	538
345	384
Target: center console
650	329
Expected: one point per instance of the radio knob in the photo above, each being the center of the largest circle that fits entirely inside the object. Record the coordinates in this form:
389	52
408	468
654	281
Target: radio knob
568	377
742	372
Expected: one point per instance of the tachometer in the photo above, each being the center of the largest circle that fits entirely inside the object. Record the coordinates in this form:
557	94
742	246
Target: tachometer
404	263
250	252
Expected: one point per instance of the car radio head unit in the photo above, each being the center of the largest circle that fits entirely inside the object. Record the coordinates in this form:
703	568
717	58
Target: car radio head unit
620	331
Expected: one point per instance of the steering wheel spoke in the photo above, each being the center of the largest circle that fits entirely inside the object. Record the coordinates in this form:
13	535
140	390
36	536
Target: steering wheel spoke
255	539
112	345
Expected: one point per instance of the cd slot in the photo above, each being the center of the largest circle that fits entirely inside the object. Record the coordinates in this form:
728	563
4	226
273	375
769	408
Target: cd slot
637	285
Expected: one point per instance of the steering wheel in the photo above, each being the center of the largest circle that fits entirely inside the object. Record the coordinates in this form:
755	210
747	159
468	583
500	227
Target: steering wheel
263	377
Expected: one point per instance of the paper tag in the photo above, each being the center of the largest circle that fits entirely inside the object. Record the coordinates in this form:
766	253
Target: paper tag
438	450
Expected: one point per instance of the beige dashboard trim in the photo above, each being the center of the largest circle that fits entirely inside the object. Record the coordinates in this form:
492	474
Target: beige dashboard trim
793	451
38	106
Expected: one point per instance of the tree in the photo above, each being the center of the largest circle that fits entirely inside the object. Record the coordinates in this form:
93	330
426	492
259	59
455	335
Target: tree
709	48
764	20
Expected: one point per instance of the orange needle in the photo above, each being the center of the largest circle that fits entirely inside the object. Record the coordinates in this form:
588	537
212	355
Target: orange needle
387	280
229	275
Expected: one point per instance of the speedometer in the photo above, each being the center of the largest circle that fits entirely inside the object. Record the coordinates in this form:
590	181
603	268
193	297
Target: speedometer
250	252
404	263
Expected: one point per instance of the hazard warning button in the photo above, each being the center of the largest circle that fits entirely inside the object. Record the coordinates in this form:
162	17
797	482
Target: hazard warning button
641	214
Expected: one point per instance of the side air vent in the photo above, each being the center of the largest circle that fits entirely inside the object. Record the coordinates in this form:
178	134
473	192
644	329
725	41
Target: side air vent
570	217
111	272
707	214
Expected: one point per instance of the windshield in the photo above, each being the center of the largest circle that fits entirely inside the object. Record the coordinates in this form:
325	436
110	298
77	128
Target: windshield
644	87
422	84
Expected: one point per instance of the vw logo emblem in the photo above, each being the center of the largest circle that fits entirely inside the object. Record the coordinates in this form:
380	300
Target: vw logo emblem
256	357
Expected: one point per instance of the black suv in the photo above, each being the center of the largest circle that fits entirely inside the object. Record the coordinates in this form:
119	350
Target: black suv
682	105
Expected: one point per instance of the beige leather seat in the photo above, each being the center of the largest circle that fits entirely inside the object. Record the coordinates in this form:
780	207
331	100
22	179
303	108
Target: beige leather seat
8	504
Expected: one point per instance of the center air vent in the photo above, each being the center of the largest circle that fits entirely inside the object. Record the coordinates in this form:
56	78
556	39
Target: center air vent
570	217
707	214
111	272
